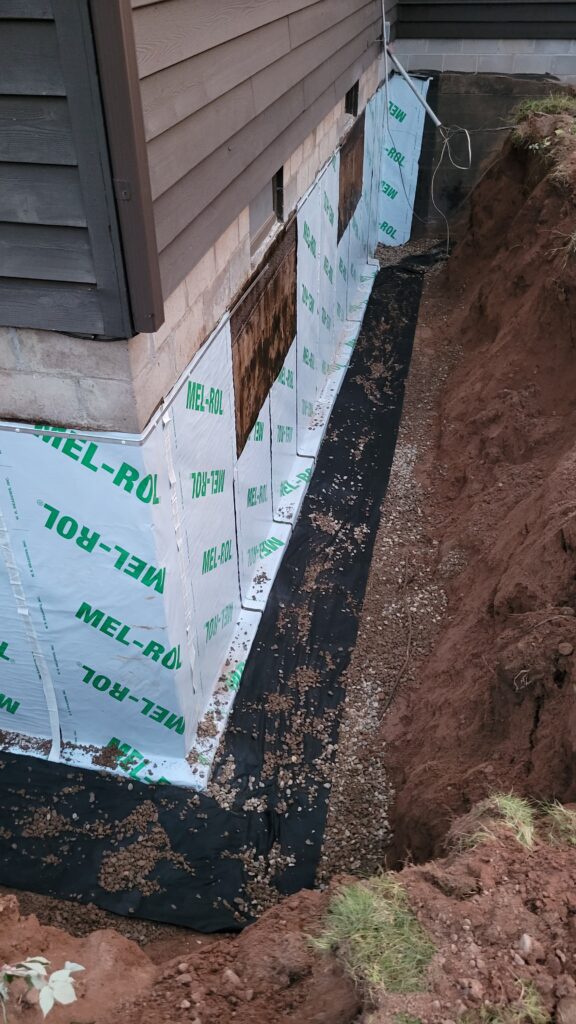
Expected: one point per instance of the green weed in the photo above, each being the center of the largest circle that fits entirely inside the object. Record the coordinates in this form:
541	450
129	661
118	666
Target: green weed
554	103
372	929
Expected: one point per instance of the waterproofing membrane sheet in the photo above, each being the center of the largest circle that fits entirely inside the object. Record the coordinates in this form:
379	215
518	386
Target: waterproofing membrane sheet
201	859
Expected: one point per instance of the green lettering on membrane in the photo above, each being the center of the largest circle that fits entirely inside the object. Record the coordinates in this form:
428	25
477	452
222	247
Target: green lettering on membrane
113	628
8	704
131	565
3	649
86	453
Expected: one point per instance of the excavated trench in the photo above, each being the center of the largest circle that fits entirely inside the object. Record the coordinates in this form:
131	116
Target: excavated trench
463	681
460	680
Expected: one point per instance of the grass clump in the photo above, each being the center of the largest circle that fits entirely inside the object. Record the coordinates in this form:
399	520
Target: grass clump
554	103
560	822
518	816
373	931
527	1009
501	810
406	1018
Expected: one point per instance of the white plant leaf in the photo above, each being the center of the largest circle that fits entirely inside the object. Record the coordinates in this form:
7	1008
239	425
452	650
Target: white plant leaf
63	989
62	975
46	999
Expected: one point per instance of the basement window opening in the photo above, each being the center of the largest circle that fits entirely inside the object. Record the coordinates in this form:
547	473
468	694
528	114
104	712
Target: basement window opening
266	212
351	100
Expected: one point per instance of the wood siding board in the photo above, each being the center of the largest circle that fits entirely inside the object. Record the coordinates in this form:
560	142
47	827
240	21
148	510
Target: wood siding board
177	92
206	181
339	64
78	59
172	32
73	308
29	59
50	195
174	153
312	21
38	252
36	129
113	32
180	256
26	9
302	61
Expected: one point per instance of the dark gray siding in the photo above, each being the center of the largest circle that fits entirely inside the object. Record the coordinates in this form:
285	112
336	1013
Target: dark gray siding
230	88
60	263
492	19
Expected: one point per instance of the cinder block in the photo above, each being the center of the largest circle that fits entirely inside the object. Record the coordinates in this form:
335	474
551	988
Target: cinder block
423	62
305	178
10	355
553	46
174	309
562	66
501	64
108	405
460	62
202	276
480	46
154	382
225	245
444	46
215	298
531	63
308	146
400	46
188	336
37	398
295	161
290	195
47	352
240	266
517	45
141	352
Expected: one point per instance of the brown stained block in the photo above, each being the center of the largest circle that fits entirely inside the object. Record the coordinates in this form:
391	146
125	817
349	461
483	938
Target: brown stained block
351	174
263	328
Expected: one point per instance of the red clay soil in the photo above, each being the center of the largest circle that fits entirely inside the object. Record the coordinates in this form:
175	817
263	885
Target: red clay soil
494	705
502	920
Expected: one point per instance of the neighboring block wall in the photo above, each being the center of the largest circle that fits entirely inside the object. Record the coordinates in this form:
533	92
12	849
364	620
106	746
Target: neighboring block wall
51	378
502	56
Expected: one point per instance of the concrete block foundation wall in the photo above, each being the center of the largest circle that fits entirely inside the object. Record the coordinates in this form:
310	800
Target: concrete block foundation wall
555	57
52	378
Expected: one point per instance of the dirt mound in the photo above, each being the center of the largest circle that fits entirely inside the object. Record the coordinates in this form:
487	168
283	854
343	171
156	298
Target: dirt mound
494	703
501	919
269	974
113	966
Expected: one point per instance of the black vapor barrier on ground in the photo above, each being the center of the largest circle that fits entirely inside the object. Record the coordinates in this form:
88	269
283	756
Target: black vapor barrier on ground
214	861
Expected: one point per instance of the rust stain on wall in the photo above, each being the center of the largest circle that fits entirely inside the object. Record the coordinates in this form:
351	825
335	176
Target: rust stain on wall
351	174
263	328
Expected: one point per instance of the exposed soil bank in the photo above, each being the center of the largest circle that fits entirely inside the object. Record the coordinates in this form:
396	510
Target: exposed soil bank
469	619
494	704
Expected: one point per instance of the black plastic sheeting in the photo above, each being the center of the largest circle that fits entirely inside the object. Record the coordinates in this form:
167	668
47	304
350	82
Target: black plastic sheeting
211	862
